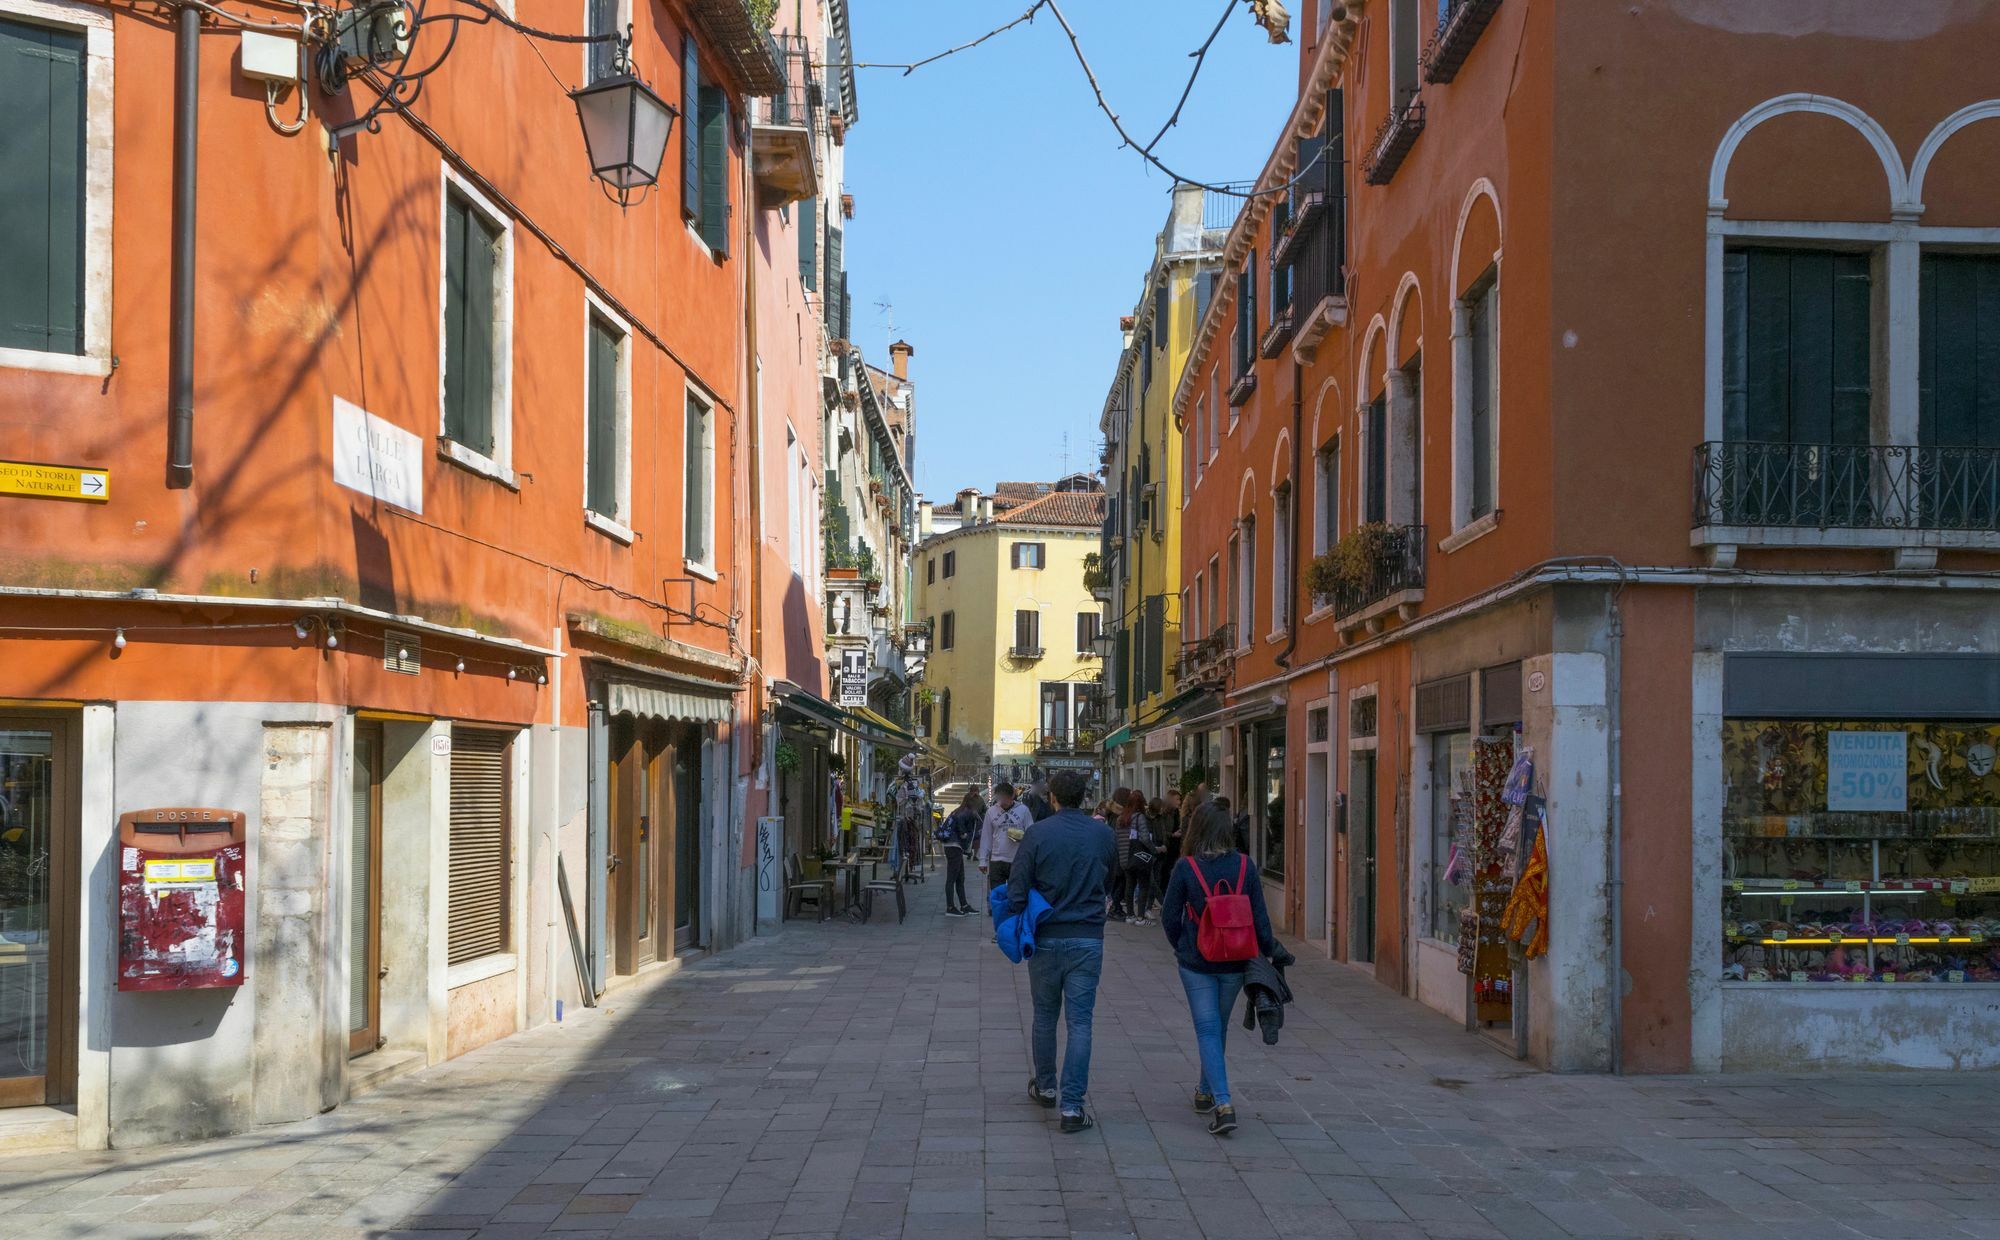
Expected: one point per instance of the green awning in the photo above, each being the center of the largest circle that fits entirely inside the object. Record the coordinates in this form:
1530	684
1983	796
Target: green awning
1117	738
1169	711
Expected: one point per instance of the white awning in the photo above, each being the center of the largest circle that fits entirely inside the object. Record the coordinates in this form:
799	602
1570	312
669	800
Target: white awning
689	704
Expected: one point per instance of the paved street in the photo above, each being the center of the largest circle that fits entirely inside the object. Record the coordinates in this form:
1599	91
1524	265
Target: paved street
868	1081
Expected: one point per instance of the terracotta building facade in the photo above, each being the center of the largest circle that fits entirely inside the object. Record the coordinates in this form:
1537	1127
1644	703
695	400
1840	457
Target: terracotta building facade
1645	454
387	486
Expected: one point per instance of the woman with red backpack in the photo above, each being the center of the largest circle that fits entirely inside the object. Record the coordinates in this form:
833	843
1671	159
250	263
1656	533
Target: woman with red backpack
1214	915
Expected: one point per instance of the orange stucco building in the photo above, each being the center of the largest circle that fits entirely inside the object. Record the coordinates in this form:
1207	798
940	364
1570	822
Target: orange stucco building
441	585
1561	398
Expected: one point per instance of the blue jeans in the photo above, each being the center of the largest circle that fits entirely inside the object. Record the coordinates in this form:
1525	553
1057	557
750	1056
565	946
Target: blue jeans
1211	997
1062	976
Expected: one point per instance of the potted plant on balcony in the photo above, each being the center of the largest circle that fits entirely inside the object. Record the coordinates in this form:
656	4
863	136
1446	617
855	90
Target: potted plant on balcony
1357	557
1095	579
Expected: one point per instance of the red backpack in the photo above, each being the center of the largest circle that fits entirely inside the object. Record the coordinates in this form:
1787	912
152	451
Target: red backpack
1228	929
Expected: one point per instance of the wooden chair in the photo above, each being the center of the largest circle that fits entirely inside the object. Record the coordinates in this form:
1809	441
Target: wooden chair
799	889
883	885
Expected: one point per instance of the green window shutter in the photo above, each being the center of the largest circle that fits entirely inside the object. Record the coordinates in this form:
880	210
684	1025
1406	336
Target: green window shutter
1121	648
1204	290
809	244
1481	322
602	421
472	246
1797	343
835	288
1959	354
1156	642
41	188
846	310
690	129
694	450
715	168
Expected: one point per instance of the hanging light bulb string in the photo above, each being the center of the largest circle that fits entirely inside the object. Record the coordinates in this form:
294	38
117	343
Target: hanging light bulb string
330	631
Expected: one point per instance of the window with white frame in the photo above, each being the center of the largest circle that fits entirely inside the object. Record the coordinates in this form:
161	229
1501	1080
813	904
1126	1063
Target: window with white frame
1197	443
1281	558
607	452
476	336
55	186
1246	582
1192	608
1958	365
698	486
1479	396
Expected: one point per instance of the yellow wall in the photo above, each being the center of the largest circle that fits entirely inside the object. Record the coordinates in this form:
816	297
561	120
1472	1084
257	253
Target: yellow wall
991	693
1153	565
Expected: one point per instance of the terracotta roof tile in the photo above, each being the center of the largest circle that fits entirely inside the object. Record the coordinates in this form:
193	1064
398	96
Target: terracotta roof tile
1081	508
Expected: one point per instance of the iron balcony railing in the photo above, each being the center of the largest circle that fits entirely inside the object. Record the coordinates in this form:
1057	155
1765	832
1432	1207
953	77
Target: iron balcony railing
1219	211
1460	23
1207	660
801	104
1847	486
1075	740
1392	141
1395	563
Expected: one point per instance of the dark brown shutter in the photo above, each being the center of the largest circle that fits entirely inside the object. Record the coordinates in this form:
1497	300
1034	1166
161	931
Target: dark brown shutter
476	903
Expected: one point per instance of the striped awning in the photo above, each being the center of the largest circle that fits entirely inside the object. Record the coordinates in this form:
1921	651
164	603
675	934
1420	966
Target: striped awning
682	698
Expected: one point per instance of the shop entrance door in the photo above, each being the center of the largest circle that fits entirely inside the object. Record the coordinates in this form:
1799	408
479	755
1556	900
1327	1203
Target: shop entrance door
638	796
364	893
1361	860
686	776
38	879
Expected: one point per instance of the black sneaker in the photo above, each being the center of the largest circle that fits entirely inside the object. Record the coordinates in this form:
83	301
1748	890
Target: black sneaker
1223	1122
1035	1091
1078	1122
1203	1103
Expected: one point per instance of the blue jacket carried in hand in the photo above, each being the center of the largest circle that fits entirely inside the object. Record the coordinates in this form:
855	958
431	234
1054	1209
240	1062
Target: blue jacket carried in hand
1017	933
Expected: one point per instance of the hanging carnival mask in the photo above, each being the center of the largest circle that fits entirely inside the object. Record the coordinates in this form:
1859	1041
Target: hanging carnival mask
1979	759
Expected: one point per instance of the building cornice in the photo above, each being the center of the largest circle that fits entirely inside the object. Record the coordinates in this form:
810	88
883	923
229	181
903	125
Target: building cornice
1305	120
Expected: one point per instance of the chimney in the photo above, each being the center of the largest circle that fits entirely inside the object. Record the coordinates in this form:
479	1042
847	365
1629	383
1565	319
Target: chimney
923	520
899	357
986	510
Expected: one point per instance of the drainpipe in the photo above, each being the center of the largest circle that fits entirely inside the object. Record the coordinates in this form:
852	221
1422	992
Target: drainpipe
180	326
1615	859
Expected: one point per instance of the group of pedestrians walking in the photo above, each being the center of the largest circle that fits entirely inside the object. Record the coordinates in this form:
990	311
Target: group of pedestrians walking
1065	872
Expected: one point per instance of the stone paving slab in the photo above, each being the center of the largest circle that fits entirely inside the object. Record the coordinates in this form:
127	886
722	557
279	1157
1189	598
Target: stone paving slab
850	1082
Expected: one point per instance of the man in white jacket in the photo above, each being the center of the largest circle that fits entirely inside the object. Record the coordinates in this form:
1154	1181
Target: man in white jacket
1007	820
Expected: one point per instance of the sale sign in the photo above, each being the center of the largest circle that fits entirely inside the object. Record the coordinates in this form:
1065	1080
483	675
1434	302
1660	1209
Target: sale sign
1868	771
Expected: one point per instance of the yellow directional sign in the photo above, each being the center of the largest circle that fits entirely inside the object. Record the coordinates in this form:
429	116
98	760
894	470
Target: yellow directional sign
54	481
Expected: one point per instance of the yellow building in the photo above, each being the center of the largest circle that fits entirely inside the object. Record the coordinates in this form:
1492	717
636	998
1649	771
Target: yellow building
1013	673
1138	571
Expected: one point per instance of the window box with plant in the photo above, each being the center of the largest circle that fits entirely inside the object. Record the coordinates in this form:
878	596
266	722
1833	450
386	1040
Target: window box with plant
1376	563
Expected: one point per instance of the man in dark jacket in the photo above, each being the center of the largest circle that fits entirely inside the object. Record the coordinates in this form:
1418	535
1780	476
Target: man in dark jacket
1069	858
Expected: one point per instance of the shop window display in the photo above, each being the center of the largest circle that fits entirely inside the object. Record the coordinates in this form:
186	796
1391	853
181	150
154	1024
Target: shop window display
1861	852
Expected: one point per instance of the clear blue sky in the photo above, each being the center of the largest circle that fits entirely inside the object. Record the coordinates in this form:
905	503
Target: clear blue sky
995	212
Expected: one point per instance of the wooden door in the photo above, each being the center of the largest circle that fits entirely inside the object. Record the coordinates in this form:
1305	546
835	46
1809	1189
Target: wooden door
38	881
364	893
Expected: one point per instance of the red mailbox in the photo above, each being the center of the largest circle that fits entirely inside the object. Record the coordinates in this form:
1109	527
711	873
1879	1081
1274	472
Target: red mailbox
180	899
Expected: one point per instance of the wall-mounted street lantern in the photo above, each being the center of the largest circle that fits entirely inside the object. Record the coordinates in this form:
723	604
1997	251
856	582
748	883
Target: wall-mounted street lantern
625	126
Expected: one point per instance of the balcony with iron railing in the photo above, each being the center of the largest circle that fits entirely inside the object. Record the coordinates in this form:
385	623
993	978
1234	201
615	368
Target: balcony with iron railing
1393	140
786	127
1219	210
1915	498
1082	740
1460	23
1379	571
1207	661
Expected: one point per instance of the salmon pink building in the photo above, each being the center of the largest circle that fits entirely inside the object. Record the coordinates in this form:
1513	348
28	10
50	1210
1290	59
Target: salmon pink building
1592	511
379	489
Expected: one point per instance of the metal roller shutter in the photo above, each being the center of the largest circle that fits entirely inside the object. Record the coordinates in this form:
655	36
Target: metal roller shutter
476	905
